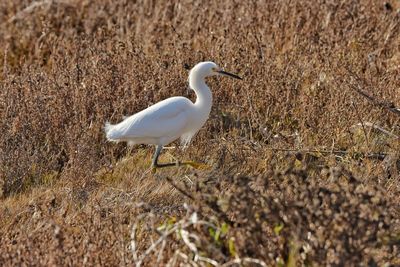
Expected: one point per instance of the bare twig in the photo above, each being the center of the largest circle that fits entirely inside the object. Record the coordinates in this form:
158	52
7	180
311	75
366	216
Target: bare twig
180	227
36	4
133	242
21	14
167	233
169	180
185	238
388	106
208	260
376	155
160	253
378	128
173	259
376	102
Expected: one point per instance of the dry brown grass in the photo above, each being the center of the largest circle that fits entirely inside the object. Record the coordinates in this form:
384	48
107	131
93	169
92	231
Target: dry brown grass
291	146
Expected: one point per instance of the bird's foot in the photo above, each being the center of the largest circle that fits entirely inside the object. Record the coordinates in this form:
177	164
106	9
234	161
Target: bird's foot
193	164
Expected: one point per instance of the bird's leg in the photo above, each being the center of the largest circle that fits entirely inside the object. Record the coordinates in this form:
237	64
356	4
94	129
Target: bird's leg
155	164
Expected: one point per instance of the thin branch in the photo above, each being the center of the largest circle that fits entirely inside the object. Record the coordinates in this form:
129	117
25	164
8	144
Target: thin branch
21	14
160	253
388	106
169	180
378	128
133	242
208	260
378	103
163	237
36	4
376	155
172	260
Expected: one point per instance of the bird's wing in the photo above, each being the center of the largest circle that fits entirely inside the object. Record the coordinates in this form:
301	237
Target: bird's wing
165	119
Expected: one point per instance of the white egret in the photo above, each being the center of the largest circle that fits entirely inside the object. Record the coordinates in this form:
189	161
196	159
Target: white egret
172	118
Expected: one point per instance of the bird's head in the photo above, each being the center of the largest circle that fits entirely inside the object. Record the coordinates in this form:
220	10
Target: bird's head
208	68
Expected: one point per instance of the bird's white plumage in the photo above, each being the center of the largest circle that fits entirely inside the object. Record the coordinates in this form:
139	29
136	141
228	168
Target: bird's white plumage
170	119
157	124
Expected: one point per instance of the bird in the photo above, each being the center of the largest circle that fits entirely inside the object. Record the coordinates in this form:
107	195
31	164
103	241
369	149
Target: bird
170	119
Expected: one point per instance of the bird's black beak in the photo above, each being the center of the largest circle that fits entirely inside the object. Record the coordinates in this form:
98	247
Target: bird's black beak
229	74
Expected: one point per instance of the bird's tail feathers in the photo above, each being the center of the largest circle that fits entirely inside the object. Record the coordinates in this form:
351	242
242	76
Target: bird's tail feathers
108	128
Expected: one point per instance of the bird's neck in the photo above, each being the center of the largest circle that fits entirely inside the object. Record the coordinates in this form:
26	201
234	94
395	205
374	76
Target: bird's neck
203	93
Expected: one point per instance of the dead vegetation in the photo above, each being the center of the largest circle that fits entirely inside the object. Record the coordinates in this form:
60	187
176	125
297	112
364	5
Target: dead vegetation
303	154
